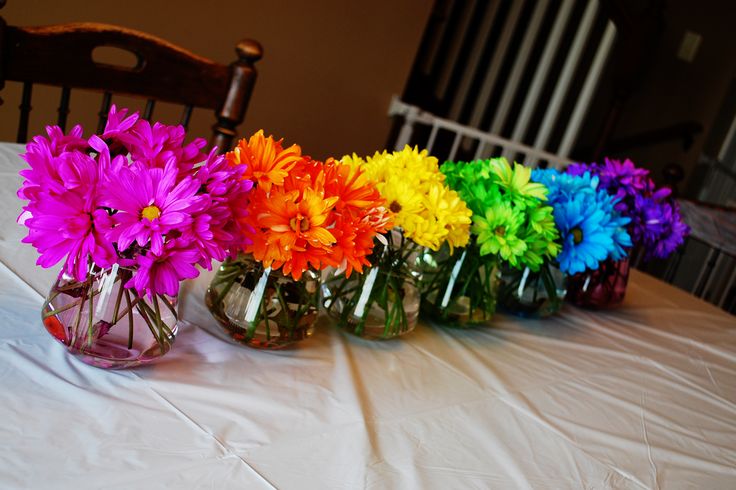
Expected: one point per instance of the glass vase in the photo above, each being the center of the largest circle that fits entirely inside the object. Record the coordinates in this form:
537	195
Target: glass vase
383	302
602	288
532	294
106	325
459	289
260	307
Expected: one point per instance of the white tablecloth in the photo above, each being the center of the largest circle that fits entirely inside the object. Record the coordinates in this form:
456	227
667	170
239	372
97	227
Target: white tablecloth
640	397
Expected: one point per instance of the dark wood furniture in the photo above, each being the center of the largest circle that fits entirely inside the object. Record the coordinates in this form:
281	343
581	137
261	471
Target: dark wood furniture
61	55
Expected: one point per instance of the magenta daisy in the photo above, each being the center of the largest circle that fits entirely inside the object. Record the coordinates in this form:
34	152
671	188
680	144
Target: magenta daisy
119	124
216	228
160	273
150	203
69	223
46	157
158	144
136	195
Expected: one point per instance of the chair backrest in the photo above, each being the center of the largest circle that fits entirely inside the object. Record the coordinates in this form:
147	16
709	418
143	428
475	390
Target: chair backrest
61	55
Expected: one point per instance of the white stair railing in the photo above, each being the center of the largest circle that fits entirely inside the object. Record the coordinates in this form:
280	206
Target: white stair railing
414	115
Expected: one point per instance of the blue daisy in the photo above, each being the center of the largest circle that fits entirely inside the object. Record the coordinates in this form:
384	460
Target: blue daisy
591	230
563	186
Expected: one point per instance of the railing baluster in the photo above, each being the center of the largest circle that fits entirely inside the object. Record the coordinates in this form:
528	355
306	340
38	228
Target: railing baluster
64	107
702	279
148	111
25	110
455	145
104	109
432	136
542	69
564	80
186	116
728	287
479	150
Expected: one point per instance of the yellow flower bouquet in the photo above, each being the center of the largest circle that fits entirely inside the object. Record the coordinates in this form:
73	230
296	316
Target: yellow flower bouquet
383	302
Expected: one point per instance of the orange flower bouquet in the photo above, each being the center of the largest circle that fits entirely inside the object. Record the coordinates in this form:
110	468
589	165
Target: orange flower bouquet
303	216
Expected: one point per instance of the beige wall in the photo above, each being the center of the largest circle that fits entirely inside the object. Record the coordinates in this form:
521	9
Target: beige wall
329	69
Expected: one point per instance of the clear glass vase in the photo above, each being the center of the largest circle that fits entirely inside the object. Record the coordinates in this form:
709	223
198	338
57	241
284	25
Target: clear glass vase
383	302
263	308
459	289
602	288
532	294
106	325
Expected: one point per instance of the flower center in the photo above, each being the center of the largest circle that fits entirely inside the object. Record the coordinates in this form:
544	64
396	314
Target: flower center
395	207
577	235
500	230
299	223
151	212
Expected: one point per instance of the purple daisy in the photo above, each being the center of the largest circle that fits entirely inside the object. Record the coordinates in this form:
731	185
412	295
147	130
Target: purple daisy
656	224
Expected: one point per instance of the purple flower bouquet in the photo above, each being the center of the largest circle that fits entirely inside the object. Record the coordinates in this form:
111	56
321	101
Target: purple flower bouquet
655	227
130	214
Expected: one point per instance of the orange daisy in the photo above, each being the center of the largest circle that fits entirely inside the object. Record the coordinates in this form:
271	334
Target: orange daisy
361	215
304	213
268	163
353	187
291	229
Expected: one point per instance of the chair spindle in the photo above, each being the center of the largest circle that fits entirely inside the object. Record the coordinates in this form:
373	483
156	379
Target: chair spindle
64	107
104	109
186	115
148	111
25	111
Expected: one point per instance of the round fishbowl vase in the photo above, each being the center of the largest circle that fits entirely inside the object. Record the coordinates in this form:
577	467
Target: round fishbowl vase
532	294
263	308
602	288
107	325
382	302
459	289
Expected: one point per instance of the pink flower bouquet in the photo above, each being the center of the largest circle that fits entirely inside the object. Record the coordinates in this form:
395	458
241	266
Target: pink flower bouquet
130	213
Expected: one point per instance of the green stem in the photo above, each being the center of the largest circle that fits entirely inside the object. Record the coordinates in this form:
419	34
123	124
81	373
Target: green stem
549	283
285	310
69	305
56	311
232	279
264	308
168	305
90	311
78	318
159	323
146	313
118	300
224	276
129	313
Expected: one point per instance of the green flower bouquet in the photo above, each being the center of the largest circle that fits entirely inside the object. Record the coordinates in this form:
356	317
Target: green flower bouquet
513	230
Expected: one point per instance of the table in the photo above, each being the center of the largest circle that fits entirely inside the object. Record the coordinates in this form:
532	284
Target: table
640	397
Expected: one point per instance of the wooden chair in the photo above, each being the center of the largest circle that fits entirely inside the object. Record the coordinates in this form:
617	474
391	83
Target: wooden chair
61	55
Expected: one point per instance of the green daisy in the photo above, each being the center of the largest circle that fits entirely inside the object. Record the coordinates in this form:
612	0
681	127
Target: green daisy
510	219
516	182
497	232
